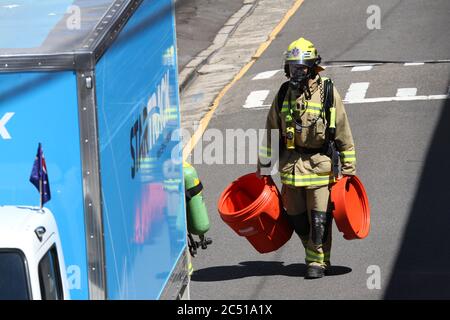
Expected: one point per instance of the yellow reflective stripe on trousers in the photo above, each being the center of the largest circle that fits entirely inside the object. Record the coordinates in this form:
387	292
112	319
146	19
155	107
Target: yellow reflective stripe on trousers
327	256
348	156
312	256
307	180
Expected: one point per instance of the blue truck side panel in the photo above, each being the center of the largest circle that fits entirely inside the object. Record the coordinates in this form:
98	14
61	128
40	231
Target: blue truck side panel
140	155
42	107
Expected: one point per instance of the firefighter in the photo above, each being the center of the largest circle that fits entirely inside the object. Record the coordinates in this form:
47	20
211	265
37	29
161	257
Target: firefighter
313	130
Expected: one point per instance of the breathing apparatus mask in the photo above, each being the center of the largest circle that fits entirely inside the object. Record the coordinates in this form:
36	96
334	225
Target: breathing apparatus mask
298	76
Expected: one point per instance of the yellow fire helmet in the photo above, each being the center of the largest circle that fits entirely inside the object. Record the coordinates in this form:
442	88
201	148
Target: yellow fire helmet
302	51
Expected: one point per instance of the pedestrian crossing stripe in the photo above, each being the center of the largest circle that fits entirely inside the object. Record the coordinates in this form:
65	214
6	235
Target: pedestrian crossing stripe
355	67
362	68
391	99
256	99
266	74
357	91
356	94
406	92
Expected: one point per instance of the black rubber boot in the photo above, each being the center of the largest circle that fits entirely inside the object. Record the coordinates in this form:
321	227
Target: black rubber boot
300	224
328	271
314	272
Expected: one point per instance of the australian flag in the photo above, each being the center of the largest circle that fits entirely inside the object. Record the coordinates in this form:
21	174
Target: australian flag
39	176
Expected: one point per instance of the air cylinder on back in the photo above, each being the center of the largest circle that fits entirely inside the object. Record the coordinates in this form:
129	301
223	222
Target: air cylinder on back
197	214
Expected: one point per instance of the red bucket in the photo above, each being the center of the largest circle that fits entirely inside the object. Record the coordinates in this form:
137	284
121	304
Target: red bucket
351	208
253	209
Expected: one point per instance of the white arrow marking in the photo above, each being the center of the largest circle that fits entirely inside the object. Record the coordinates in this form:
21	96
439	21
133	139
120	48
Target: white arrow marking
266	74
256	99
3	132
357	91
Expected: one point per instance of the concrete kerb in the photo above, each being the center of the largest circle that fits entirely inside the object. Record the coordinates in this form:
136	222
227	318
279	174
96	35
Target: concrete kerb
188	73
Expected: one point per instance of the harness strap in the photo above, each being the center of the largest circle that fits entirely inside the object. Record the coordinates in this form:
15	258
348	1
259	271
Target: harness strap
192	192
330	111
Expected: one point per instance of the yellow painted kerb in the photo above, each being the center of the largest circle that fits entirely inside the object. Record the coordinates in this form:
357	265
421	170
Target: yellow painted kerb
205	120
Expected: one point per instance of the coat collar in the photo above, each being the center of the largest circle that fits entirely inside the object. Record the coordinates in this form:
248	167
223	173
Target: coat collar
313	86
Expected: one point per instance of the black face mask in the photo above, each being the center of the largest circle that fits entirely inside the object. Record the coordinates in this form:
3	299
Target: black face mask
298	77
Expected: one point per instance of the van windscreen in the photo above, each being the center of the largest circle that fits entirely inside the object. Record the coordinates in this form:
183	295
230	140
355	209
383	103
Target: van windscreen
13	276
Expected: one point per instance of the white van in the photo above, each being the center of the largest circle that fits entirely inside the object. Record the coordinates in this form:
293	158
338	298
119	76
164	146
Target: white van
31	259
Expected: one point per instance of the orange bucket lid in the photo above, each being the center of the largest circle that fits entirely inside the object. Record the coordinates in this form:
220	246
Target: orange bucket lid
351	208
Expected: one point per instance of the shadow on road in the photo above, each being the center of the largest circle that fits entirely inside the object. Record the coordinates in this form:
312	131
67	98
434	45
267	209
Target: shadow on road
257	269
422	269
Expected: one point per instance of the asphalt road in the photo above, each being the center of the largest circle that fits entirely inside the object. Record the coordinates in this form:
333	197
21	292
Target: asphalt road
198	22
402	149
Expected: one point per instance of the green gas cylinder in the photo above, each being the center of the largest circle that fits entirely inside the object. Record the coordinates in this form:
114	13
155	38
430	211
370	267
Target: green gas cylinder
197	214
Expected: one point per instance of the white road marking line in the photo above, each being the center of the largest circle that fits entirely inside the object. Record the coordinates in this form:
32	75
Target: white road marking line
390	99
362	68
348	65
266	74
406	92
256	99
357	91
407	64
